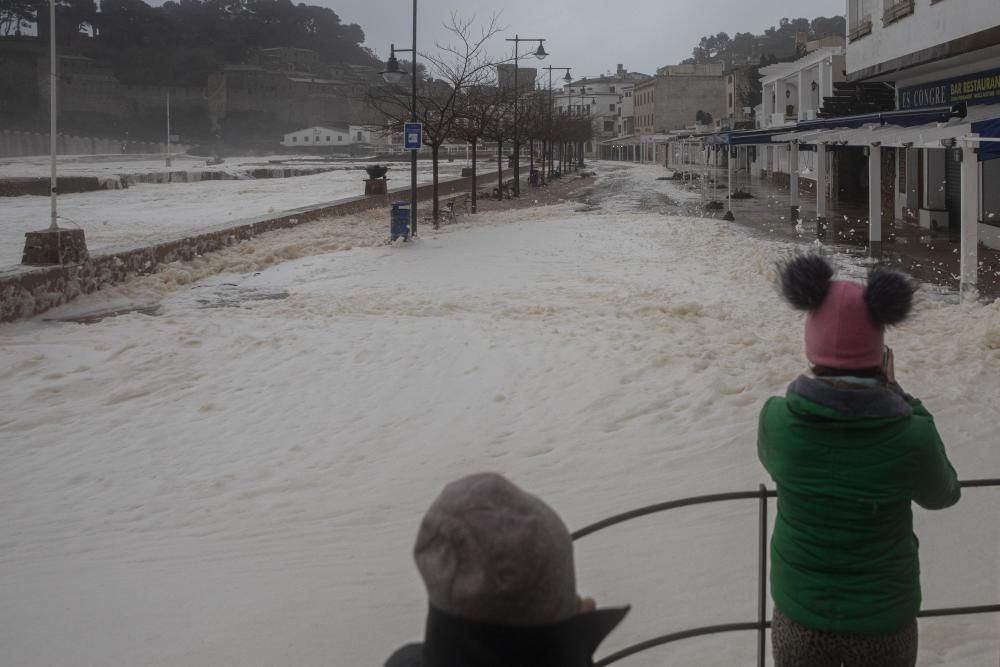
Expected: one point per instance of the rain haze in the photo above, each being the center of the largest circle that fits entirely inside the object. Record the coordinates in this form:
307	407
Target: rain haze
267	288
588	35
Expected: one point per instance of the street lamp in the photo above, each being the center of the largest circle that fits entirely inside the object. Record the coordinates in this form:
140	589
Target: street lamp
568	79
393	75
541	54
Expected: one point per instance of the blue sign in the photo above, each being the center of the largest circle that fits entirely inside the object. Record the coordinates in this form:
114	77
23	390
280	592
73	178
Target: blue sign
978	88
413	135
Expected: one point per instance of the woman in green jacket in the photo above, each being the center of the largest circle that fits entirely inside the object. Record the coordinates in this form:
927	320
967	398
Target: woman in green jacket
849	451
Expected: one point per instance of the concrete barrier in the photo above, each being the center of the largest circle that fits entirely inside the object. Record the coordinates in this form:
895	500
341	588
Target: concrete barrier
27	291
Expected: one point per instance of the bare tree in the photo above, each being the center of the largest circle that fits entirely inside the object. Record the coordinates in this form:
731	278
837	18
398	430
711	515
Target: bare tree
453	70
482	110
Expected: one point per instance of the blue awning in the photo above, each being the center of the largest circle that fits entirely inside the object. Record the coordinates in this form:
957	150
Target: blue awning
747	137
911	118
988	129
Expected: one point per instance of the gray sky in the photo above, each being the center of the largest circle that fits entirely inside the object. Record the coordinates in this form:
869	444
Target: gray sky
591	36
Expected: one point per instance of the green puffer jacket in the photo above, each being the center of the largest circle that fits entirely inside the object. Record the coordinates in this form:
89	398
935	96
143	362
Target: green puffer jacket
847	461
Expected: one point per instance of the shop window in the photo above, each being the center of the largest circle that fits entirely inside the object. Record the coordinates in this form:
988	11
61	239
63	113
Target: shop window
295	140
991	194
896	9
328	138
305	139
859	17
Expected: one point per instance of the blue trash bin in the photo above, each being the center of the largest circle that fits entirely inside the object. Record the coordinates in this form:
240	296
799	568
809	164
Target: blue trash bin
399	221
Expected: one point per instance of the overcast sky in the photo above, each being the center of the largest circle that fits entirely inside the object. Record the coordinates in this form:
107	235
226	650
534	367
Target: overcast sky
591	36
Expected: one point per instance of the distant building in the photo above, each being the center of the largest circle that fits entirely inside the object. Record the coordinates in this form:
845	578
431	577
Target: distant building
288	59
608	100
740	92
526	77
795	91
322	137
674	99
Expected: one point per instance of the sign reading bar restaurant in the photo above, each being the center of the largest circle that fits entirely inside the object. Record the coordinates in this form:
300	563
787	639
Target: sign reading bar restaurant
978	88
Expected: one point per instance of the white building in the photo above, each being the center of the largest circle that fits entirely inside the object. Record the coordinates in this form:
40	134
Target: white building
936	54
795	91
321	136
934	160
607	99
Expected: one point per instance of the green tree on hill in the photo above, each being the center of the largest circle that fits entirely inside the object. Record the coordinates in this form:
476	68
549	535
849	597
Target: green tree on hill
777	44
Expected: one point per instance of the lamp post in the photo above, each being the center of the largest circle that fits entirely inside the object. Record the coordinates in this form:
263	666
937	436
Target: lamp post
541	54
579	144
567	79
564	145
53	224
168	127
54	244
393	75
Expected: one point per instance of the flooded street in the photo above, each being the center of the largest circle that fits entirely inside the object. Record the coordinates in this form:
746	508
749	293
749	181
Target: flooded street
931	257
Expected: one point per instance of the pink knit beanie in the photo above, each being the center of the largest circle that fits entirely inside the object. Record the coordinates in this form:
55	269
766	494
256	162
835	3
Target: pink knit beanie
846	321
841	333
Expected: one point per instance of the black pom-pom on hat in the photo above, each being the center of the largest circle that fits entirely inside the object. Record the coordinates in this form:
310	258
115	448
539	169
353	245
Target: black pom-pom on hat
805	280
889	296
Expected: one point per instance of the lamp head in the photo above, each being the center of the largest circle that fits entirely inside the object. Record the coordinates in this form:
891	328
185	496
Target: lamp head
541	54
393	74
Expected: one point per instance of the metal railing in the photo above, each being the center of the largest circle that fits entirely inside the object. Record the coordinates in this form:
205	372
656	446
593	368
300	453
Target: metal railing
761	625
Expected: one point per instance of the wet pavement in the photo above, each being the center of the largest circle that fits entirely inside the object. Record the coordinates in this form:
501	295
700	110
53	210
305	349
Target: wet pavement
931	257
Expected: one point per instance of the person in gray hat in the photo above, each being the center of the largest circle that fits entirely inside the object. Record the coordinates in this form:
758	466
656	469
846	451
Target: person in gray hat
498	567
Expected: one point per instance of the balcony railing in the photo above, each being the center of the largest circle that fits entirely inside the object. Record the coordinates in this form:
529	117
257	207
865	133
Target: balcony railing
761	625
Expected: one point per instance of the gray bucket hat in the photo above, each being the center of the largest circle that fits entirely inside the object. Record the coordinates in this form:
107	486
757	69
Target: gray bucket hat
487	551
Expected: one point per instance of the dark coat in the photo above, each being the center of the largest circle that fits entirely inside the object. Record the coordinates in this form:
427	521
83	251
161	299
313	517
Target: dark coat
453	642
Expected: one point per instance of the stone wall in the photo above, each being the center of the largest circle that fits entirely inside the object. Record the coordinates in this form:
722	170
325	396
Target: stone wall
23	144
28	291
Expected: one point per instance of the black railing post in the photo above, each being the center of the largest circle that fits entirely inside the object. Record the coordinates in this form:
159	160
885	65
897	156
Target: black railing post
762	580
762	624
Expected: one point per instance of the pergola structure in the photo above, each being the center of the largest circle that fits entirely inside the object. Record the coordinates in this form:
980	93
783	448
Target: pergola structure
971	133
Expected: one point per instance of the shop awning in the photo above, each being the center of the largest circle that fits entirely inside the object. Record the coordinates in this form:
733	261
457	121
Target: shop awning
981	120
746	137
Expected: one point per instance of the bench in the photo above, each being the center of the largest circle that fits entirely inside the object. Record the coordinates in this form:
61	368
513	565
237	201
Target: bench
460	200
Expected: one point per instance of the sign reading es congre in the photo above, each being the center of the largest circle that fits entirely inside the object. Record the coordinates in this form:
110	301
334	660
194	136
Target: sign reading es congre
979	88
